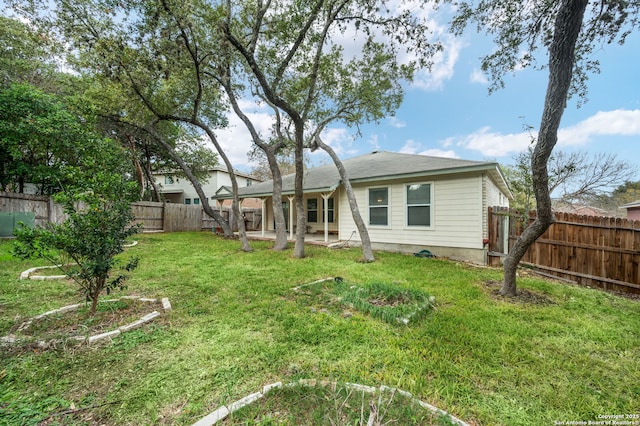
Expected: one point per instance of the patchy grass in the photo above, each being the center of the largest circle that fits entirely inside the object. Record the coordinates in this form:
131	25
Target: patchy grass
334	404
388	302
237	325
62	328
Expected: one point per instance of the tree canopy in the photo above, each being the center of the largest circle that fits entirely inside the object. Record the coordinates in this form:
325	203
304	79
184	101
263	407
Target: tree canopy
568	31
45	142
575	177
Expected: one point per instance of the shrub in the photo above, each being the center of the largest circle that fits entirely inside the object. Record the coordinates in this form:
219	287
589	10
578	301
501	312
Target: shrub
86	244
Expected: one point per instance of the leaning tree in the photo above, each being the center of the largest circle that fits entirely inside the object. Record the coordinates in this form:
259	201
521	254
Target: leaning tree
570	31
296	54
157	62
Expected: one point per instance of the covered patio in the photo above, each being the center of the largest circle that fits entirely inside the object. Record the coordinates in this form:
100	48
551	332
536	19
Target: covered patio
310	238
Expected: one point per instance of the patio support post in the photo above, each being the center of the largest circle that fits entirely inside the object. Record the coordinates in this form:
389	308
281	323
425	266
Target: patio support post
325	204
264	214
291	198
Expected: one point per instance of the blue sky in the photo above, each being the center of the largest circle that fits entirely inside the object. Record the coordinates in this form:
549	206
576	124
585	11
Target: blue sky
450	113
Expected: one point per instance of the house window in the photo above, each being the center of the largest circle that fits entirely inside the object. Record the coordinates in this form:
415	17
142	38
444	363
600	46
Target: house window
187	200
196	201
249	182
168	180
379	206
312	210
419	204
330	210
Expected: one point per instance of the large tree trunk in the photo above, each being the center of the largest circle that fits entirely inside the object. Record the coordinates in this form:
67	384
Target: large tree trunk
367	252
152	182
235	206
136	164
228	232
270	152
301	220
278	212
561	58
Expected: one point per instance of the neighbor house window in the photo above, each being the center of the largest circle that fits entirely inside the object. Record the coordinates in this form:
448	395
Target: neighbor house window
196	201
249	182
330	210
168	180
379	206
187	200
419	204
312	210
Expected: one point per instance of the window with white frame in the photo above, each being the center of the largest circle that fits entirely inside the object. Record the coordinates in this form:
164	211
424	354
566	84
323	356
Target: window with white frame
312	210
379	206
196	200
329	210
187	200
419	204
168	180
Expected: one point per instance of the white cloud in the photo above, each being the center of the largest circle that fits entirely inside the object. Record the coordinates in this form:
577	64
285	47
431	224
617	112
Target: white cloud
477	76
236	140
439	153
443	67
492	144
397	123
603	123
409	147
413	147
373	141
339	139
352	41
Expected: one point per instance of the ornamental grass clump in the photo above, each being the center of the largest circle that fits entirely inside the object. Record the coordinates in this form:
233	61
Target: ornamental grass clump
389	303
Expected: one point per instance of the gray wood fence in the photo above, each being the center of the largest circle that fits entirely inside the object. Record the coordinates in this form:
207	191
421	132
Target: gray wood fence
154	217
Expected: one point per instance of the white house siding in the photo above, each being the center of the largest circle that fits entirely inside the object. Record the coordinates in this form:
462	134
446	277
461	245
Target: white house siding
456	221
492	196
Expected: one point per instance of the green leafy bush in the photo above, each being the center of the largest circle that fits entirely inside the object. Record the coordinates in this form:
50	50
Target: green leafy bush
99	220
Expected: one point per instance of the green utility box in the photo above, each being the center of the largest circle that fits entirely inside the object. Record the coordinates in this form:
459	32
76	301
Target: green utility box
10	220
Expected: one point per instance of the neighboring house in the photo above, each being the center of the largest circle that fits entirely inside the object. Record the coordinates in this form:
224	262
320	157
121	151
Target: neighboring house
633	210
180	190
409	202
579	209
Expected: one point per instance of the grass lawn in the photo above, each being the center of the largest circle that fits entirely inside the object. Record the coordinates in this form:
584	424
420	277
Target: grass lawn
566	354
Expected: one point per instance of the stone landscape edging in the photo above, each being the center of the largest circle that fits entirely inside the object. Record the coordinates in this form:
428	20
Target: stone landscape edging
27	274
222	412
166	306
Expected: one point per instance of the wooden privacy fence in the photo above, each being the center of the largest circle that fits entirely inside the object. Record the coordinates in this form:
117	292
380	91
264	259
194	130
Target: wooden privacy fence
593	251
173	217
32	210
167	217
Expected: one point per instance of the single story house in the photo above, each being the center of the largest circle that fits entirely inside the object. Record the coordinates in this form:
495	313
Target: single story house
633	210
408	202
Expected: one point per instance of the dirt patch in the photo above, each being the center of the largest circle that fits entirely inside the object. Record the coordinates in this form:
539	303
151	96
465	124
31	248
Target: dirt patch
389	301
73	324
522	295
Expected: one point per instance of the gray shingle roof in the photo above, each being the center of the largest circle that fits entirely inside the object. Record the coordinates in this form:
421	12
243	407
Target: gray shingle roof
375	166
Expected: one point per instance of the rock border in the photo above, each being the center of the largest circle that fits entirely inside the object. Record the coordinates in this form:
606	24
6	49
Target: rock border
400	320
222	412
166	306
27	274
